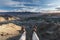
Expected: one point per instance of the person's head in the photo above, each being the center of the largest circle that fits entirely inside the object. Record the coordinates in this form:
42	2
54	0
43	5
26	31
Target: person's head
34	28
23	28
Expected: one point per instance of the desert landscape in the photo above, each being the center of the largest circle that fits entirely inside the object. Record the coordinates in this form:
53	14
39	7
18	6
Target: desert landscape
8	30
48	25
29	19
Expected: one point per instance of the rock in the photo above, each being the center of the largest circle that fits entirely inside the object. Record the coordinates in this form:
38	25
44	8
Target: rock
10	28
8	18
2	19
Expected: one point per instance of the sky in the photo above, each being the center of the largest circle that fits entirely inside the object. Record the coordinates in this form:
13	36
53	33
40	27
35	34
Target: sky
28	5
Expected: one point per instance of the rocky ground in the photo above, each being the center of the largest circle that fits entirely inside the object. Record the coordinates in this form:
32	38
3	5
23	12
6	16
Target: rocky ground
9	30
47	28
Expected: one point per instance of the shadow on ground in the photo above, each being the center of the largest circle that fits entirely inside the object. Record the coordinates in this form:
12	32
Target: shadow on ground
14	38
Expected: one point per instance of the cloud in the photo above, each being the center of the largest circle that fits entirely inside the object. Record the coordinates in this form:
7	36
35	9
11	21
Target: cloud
18	3
17	6
53	4
8	3
31	9
29	5
4	11
12	3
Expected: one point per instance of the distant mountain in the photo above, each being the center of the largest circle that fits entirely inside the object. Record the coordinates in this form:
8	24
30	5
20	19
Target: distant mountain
17	13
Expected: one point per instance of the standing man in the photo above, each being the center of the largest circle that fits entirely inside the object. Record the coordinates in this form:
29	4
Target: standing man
23	36
34	35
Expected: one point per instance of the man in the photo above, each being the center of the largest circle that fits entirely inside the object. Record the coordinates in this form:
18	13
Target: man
23	36
34	36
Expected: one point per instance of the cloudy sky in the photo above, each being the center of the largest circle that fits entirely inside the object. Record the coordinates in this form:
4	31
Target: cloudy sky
28	5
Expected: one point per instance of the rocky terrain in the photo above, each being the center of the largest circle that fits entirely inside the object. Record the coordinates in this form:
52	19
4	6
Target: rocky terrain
4	18
9	30
48	25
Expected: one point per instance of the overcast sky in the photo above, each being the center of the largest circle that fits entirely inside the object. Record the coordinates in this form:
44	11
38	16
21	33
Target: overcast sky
28	5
